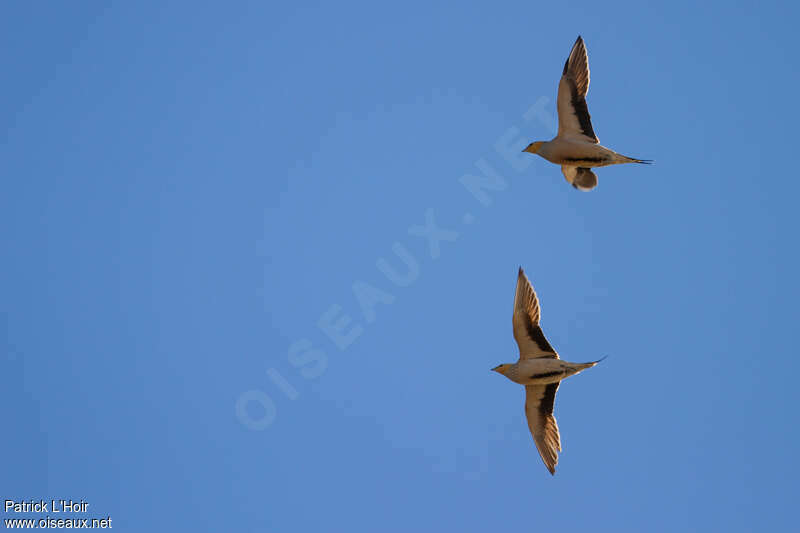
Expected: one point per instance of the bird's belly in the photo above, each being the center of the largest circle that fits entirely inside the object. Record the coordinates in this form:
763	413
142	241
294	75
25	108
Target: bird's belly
597	159
583	155
587	162
543	378
540	372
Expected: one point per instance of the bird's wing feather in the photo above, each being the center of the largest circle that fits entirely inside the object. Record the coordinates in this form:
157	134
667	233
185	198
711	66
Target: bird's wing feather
539	400
574	120
530	337
580	177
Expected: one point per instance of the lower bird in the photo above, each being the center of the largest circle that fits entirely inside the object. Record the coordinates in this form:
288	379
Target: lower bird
540	370
576	147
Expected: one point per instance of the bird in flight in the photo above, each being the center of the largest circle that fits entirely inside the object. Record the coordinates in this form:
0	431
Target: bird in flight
540	370
576	148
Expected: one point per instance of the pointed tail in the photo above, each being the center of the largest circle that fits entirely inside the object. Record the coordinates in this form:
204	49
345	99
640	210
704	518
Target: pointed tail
635	160
592	363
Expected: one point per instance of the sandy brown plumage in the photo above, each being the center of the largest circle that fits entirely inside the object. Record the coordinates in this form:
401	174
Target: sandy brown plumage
576	148
539	369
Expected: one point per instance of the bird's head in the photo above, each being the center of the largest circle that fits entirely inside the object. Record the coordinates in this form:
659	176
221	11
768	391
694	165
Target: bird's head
501	369
534	147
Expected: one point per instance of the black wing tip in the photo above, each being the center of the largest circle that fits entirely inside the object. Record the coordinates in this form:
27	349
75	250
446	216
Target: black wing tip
645	161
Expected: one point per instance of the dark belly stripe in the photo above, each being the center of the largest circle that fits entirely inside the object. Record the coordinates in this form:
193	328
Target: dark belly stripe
545	375
582	159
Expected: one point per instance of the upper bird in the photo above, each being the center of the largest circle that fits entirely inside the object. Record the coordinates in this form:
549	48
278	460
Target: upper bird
576	148
540	370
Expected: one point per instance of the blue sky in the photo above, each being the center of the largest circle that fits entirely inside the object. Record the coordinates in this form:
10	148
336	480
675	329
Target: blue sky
200	205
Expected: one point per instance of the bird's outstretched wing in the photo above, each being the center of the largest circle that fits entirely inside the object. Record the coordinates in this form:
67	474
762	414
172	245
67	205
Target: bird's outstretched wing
580	177
539	400
530	338
574	120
